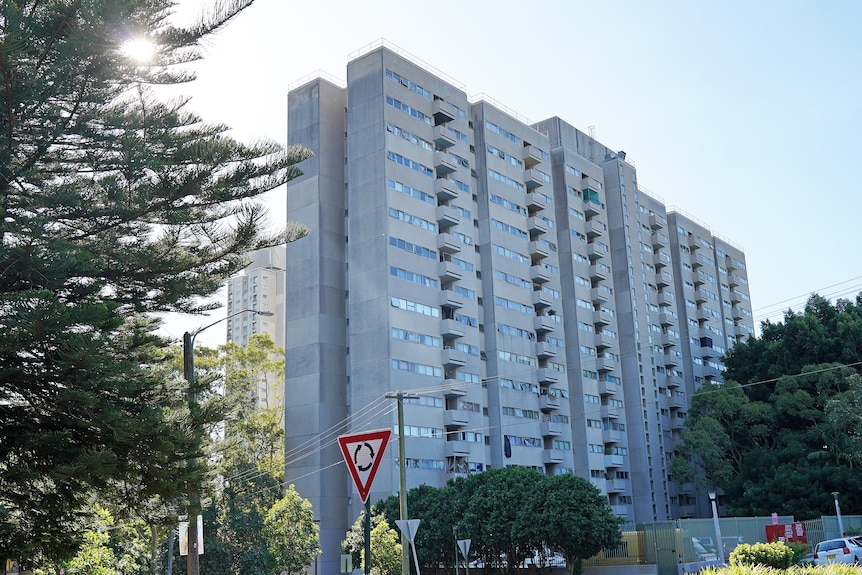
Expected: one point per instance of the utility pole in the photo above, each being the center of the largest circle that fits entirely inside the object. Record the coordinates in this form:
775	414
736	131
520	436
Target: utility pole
402	478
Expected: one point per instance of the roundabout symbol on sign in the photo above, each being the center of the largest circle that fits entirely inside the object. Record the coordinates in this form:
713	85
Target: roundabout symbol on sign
363	453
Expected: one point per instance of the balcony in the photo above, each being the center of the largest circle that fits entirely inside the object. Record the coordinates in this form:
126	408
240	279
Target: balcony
656	222
595	228
443	112
540	274
611	436
542	299
549	402
732	280
604	341
456	418
532	156
453	388
551	429
660	260
445	190
659	240
537	225
451	298
613	461
444	163
608	388
543	323
664	298
601	317
536	202
735	298
729	263
677	401
443	137
736	313
673	380
447	217
668	340
665	318
451	329
456	448
591	208
544	350
599	296
616	485
596	250
605	364
451	357
670	360
552	456
547	376
610	411
539	249
598	272
677	422
663	279
448	244
533	179
449	272
700	296
693	242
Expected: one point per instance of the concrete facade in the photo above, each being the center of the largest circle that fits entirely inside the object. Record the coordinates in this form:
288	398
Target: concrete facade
260	287
514	276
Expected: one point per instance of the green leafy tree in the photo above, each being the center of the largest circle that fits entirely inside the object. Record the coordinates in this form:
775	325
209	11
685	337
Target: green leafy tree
435	538
354	539
385	550
497	516
291	534
95	557
779	435
113	206
249	461
573	519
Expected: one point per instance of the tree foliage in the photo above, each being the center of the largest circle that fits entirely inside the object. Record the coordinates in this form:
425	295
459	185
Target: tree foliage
510	515
782	433
113	205
291	534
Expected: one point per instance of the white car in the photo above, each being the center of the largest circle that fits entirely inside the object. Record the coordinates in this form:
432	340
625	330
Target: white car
843	550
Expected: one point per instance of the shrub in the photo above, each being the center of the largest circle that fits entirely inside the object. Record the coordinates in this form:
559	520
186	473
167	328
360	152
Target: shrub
777	555
800	550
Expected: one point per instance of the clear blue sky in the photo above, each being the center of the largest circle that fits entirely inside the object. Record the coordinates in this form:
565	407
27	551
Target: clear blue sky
741	114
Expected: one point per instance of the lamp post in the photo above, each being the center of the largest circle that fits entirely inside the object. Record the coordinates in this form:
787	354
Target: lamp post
194	507
838	513
719	544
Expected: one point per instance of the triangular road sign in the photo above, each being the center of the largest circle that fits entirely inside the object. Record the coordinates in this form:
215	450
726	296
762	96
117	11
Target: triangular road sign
363	453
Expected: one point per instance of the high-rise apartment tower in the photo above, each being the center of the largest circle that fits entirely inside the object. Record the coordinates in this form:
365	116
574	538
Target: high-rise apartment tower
547	311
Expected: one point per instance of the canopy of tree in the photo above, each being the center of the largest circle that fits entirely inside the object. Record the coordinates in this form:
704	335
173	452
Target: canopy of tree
510	514
783	432
113	206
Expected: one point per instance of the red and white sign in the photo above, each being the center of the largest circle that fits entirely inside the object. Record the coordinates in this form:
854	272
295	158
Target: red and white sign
363	453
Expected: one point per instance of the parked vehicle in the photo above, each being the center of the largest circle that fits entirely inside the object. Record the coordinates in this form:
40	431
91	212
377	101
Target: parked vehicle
842	550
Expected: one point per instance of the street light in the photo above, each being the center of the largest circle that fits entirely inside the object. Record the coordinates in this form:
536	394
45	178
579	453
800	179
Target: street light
838	513
194	508
719	543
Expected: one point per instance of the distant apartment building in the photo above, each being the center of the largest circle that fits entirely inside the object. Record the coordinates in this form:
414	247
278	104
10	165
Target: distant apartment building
547	311
259	287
